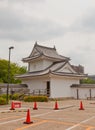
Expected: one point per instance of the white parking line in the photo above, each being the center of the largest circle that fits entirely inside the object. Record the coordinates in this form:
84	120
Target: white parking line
11	121
70	128
34	115
24	118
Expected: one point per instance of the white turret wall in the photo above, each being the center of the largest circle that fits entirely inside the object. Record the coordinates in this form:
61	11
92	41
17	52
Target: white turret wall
61	87
39	65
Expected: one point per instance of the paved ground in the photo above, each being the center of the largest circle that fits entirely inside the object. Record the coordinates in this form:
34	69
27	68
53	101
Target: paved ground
68	117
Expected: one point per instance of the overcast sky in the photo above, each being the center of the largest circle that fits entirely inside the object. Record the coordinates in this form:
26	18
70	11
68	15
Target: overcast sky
67	24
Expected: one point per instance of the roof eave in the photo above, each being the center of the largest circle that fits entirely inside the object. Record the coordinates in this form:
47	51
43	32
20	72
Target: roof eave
28	59
70	74
52	73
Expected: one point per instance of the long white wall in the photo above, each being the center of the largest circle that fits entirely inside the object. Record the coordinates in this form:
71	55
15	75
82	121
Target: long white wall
83	93
60	87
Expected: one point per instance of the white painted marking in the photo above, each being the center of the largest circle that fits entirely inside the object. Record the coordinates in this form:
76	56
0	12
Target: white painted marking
32	116
24	118
70	128
11	121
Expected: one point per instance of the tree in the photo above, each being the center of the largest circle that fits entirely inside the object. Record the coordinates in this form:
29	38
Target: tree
88	81
14	70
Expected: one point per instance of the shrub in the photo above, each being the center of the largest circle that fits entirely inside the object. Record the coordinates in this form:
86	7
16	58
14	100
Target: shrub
4	96
35	98
15	96
2	101
21	96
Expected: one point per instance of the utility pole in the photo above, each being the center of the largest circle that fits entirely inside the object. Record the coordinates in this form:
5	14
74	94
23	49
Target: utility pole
8	74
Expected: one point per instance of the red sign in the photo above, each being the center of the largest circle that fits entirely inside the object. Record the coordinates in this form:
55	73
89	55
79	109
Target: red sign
17	104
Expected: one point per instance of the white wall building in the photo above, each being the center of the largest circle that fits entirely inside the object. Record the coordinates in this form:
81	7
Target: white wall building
49	71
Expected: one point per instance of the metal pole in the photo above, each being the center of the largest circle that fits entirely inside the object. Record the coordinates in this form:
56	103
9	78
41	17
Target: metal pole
8	74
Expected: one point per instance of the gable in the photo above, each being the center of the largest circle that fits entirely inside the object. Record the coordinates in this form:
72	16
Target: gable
35	52
66	69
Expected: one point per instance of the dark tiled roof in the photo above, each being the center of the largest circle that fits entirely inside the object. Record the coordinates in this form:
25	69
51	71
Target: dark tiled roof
51	52
79	69
52	69
50	72
83	86
46	52
3	85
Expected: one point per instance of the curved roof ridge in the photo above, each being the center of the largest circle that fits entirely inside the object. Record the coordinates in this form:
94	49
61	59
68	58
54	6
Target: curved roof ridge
45	46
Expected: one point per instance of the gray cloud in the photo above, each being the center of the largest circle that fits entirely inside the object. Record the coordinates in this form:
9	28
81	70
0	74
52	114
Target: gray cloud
17	26
82	54
89	21
85	23
13	1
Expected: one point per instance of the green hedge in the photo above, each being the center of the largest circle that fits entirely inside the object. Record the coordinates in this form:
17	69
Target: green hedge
2	101
4	96
35	98
15	96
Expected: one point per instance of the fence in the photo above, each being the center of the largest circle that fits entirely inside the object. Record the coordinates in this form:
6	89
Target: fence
39	92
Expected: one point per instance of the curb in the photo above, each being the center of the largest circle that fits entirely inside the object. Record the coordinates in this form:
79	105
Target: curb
10	111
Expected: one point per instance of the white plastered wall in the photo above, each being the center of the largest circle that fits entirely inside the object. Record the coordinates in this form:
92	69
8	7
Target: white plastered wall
83	93
36	83
39	65
60	87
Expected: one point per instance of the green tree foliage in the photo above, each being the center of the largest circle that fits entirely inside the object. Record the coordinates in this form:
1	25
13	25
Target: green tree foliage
88	81
14	70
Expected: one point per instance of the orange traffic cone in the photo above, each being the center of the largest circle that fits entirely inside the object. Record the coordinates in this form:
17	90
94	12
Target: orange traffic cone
81	106
35	106
56	106
12	106
28	121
